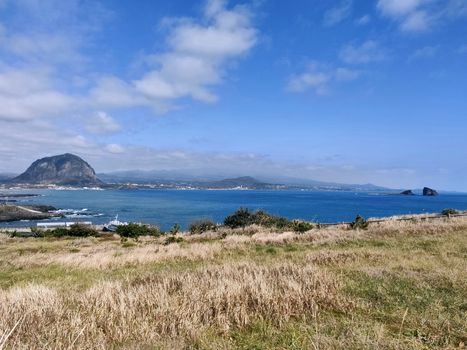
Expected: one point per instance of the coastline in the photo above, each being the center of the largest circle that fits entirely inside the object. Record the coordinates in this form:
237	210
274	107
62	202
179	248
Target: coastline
426	217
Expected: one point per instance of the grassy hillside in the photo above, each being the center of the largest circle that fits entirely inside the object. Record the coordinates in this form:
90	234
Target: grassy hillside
397	285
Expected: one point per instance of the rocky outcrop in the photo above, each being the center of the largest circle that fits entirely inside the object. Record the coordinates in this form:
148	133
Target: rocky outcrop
429	192
26	212
65	169
408	193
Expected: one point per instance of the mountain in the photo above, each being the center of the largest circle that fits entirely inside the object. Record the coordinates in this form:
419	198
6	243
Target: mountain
65	169
246	182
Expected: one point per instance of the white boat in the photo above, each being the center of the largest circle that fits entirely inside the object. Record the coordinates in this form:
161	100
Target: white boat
113	224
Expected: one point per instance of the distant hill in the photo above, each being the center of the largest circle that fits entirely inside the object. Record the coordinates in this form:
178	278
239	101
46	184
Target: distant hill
246	182
65	169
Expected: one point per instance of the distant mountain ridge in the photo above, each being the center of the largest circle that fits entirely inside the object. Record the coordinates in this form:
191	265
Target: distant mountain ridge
64	169
195	179
246	182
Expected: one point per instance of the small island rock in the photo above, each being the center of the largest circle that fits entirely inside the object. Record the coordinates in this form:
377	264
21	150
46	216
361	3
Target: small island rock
408	193
429	192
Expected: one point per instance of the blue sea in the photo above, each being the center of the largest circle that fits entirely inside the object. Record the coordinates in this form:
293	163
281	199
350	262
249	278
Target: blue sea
167	207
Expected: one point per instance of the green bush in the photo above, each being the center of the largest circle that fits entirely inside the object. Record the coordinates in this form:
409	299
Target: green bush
57	232
301	226
263	218
201	226
15	234
35	232
133	230
173	239
449	212
241	218
175	229
79	230
244	217
75	230
359	223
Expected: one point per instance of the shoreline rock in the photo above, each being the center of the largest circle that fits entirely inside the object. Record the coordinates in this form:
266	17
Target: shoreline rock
9	213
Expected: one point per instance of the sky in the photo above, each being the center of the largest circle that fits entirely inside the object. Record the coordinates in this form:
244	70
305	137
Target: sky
342	91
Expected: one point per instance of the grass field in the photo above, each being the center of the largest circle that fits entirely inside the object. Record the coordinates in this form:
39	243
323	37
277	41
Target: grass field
397	285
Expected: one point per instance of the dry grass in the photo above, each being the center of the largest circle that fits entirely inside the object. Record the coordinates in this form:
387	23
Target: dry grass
166	305
397	285
105	256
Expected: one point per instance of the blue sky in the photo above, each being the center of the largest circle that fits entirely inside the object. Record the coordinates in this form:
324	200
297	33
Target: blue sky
345	91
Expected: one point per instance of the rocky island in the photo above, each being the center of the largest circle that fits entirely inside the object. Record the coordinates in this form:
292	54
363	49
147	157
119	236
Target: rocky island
408	193
429	192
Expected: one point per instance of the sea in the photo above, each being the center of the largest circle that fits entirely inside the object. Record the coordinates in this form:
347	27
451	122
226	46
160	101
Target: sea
168	207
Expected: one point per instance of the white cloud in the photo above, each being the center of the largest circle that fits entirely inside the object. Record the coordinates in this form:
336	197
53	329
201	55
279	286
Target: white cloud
367	52
422	15
345	74
318	77
416	22
27	94
180	75
337	14
364	20
51	31
114	92
40	48
424	52
102	123
399	7
196	59
197	54
318	81
114	148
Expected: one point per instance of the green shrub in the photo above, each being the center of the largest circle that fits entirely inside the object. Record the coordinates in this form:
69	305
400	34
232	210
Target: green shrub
265	219
14	234
201	226
449	212
301	226
35	232
133	230
57	232
79	230
243	217
359	223
175	229
173	239
75	230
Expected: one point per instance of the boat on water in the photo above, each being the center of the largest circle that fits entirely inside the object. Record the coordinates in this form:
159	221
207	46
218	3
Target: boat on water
113	224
